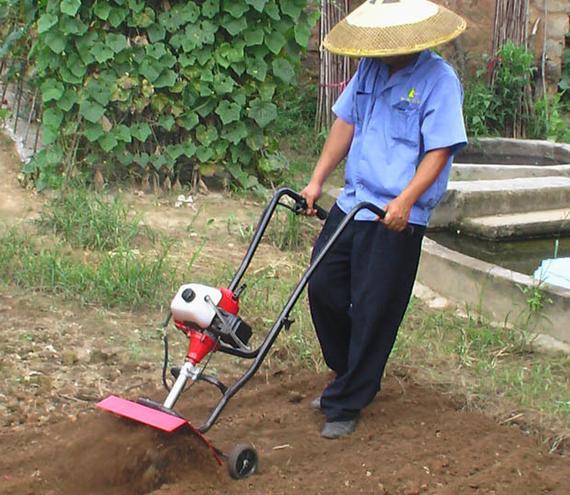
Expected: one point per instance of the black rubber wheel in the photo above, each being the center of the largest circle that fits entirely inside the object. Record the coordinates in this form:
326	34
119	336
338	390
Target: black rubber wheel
242	461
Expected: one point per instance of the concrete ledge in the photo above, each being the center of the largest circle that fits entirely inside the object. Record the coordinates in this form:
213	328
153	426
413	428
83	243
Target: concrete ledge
475	171
533	224
529	151
494	292
466	199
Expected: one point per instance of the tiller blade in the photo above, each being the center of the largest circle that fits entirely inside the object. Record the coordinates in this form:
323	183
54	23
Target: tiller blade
142	414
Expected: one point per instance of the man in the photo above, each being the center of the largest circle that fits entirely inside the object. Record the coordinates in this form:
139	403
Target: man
399	123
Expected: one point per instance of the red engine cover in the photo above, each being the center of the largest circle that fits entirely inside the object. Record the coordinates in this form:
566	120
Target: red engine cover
228	302
200	344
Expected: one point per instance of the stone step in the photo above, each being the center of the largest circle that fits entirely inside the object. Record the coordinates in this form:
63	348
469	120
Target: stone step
545	223
474	171
468	199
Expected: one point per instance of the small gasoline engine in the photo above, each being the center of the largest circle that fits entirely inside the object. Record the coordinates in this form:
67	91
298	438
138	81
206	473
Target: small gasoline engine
207	316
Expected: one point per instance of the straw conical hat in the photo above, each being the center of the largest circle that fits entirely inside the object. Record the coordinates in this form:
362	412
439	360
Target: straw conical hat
380	28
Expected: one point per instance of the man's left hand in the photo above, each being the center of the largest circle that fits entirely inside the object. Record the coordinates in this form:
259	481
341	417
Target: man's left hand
397	214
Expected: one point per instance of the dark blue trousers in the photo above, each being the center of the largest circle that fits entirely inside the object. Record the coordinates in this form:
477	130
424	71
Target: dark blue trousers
358	296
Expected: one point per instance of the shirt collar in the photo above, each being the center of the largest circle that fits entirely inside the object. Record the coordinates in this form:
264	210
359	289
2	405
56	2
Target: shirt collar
405	73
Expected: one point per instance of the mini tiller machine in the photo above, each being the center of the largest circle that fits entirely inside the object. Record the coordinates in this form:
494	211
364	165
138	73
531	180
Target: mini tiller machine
209	318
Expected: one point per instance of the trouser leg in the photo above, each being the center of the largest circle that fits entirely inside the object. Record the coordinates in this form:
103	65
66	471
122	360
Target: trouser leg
329	294
383	269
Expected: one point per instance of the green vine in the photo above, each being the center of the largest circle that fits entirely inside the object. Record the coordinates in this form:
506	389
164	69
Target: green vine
16	19
164	88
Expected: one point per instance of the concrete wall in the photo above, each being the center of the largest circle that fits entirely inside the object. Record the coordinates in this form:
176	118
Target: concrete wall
551	18
466	52
549	15
493	292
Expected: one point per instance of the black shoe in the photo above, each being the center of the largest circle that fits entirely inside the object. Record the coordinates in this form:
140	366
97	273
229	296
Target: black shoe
339	429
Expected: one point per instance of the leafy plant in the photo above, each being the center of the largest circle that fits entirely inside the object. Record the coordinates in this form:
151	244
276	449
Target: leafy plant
549	121
292	232
506	108
510	106
16	19
536	298
4	115
156	89
476	105
298	106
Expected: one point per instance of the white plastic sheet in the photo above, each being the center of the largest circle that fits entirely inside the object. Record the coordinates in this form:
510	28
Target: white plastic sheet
554	271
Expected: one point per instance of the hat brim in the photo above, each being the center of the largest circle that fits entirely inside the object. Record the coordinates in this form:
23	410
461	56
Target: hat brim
403	39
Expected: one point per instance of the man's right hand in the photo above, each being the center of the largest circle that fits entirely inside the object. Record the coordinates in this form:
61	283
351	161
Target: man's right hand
312	193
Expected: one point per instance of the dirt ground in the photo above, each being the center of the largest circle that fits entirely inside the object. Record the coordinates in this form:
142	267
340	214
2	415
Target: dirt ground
15	203
58	359
411	440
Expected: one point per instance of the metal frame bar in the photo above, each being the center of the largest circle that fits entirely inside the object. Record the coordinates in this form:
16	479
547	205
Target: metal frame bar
282	320
257	236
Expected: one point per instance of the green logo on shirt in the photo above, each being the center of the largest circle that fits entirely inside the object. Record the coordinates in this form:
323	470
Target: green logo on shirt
412	97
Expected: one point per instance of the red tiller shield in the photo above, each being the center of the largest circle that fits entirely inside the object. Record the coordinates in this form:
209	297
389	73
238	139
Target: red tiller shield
142	414
152	417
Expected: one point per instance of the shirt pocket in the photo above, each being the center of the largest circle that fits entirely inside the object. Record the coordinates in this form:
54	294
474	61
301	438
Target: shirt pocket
361	106
405	123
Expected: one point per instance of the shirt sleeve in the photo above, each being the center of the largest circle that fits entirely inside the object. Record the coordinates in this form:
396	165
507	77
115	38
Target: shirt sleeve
442	123
344	105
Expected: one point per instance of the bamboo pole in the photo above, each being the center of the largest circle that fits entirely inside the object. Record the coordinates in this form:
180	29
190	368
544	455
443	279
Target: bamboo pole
334	70
510	23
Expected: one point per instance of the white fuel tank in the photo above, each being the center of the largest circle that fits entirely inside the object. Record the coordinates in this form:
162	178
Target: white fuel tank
190	305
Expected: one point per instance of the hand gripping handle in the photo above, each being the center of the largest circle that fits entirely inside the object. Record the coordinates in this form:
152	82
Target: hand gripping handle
301	206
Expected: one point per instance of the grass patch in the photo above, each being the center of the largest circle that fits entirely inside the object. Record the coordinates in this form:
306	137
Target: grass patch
92	256
88	220
287	231
123	278
291	232
494	368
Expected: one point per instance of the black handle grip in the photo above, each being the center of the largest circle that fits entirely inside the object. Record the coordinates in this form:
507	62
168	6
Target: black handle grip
322	214
301	206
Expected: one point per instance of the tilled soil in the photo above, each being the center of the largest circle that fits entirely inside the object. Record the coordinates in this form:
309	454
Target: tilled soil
411	440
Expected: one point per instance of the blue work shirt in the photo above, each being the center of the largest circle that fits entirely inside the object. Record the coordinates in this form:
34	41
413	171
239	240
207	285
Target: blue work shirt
397	120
